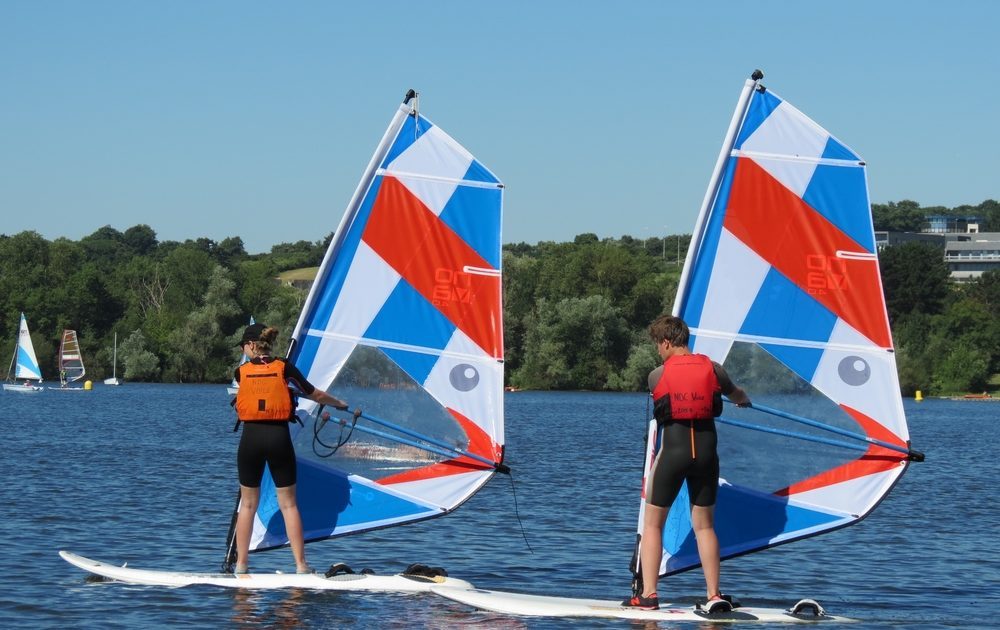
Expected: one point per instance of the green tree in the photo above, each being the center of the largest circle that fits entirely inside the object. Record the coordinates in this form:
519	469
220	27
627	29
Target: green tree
282	312
520	281
140	364
642	359
140	240
963	369
990	211
577	343
914	360
256	284
905	216
915	279
199	348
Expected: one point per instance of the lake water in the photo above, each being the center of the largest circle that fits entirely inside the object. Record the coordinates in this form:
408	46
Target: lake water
145	474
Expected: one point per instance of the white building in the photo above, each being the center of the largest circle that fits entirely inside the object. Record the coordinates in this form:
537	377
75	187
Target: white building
969	255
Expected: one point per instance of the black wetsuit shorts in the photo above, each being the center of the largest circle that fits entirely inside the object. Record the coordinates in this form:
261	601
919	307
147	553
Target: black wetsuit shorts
266	442
687	453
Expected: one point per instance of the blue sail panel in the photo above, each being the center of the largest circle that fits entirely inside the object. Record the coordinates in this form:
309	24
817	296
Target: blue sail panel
743	520
330	501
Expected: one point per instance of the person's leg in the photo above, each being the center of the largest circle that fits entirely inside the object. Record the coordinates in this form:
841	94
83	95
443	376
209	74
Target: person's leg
703	523
249	498
293	526
651	547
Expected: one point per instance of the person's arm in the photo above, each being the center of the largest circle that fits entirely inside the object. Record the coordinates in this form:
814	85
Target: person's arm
323	398
310	391
730	389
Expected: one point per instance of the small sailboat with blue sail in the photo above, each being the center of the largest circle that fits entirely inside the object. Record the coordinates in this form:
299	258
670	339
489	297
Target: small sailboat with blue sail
23	364
404	321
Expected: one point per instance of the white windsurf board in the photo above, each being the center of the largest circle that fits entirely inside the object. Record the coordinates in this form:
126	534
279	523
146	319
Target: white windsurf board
317	581
542	606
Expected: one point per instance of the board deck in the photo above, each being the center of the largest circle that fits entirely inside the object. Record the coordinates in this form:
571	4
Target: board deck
349	582
542	606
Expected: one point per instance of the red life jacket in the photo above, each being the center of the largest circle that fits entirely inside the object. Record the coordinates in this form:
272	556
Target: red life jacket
688	389
263	393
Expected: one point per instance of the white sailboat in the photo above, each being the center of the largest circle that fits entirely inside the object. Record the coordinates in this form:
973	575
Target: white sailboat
71	368
24	364
114	366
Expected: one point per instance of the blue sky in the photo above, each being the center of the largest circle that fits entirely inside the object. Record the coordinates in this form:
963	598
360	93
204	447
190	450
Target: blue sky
256	119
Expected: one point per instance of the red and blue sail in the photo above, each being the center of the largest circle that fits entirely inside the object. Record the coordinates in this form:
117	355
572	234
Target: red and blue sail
404	322
782	287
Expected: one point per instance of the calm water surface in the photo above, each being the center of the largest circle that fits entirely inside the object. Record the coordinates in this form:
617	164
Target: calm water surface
145	474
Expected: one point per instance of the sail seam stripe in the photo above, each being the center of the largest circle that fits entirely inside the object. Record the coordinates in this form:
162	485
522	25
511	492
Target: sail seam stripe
368	341
785	341
796	158
434	178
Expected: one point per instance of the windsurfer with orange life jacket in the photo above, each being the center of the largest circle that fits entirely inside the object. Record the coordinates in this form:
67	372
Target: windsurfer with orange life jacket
687	395
265	406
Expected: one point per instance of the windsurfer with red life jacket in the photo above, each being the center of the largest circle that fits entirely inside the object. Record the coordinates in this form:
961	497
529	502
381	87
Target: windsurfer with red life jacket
264	404
687	395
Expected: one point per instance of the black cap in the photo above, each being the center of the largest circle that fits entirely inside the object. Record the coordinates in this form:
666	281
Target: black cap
252	333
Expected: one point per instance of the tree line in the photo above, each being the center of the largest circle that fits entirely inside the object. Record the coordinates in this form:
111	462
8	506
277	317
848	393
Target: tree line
177	308
575	313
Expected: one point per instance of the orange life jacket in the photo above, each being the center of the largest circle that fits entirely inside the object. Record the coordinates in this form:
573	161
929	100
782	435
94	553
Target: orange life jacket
263	393
688	389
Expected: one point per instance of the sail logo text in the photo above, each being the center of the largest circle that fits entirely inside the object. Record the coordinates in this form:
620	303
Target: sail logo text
451	286
824	274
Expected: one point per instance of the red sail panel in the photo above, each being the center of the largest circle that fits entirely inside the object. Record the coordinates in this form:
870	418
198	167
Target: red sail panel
802	244
432	258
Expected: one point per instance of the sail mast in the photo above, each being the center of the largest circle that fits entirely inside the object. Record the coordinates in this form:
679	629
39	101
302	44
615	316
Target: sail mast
359	194
713	187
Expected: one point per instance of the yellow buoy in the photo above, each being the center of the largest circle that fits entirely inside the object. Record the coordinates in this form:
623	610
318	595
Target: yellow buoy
88	385
919	397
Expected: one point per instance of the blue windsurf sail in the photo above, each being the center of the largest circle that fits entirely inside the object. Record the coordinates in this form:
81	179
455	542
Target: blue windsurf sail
781	286
404	322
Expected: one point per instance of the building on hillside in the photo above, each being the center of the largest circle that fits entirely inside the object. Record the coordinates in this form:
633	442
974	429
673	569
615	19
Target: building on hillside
969	255
944	224
888	239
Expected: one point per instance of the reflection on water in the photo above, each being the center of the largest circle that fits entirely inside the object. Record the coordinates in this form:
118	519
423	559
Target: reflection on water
278	609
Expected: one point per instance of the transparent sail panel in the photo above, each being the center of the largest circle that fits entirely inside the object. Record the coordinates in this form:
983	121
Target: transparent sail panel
770	462
375	384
